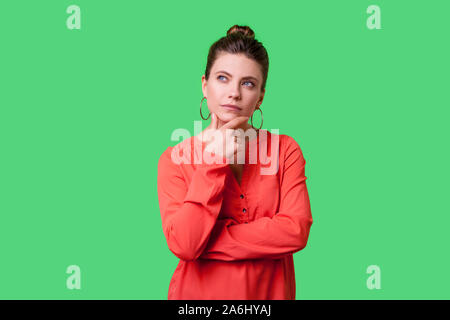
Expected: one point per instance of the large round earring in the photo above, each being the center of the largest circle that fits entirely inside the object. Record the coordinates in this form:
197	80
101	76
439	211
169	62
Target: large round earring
251	120
201	115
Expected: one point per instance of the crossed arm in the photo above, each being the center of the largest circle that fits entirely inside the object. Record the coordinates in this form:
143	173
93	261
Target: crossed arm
189	214
269	238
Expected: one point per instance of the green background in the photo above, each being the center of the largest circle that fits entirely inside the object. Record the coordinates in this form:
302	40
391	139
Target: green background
85	115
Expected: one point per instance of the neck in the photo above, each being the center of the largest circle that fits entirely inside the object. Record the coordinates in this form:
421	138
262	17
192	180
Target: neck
221	123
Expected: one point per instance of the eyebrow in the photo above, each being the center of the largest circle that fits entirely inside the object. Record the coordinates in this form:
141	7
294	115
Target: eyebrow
247	77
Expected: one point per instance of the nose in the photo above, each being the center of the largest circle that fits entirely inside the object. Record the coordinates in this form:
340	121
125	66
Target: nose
234	92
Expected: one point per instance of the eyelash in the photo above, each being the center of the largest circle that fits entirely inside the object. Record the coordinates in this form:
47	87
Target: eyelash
245	81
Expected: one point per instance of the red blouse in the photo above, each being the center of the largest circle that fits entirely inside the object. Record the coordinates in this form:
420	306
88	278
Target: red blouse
234	241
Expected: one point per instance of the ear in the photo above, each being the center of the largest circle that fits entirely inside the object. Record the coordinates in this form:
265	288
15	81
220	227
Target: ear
204	85
261	97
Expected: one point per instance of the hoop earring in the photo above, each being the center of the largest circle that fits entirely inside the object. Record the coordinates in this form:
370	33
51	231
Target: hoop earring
201	115
262	119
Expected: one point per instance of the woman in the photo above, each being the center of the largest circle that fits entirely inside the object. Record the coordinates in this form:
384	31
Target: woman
233	226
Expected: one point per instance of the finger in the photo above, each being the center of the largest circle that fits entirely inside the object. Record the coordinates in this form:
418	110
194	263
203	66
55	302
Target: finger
214	121
207	133
234	123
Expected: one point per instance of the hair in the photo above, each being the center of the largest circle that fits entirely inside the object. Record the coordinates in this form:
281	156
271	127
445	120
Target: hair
239	40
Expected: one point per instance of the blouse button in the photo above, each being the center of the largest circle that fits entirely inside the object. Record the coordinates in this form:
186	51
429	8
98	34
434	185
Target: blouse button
245	210
242	196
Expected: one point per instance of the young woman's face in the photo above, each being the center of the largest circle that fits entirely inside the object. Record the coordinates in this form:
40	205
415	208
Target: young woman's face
234	79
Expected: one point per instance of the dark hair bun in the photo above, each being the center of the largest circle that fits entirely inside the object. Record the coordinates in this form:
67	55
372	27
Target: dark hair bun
244	30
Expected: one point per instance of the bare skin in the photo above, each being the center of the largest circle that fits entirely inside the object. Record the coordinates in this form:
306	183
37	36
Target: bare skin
237	80
237	170
227	146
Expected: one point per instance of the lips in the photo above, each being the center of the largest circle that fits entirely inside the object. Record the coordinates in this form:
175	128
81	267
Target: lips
231	106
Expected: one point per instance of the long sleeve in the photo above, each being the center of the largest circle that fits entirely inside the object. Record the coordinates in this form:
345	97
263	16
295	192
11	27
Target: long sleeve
189	212
269	238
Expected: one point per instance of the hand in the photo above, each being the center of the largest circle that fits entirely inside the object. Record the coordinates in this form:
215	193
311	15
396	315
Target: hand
220	141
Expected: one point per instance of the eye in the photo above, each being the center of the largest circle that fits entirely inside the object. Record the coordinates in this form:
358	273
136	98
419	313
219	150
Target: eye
244	82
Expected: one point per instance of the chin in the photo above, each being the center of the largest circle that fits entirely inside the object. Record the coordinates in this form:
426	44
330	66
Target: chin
227	116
